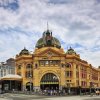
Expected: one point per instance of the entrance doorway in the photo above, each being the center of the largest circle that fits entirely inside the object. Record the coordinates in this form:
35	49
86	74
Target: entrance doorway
29	86
49	82
50	86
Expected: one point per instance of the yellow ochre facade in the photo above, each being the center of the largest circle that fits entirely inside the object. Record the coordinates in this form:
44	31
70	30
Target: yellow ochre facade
50	67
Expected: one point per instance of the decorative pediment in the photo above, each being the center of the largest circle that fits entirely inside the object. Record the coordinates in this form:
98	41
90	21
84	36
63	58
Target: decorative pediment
49	52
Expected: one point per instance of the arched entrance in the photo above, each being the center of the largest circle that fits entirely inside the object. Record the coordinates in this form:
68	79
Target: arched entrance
49	81
29	86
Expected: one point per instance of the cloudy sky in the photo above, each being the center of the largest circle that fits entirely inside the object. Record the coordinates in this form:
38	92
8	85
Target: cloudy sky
75	23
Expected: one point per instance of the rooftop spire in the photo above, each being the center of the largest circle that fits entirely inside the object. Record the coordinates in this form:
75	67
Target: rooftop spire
24	47
47	26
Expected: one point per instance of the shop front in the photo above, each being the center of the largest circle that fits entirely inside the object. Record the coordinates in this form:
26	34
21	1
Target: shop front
10	83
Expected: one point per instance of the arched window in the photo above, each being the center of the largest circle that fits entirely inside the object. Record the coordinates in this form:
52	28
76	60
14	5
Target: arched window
29	66
29	71
19	67
19	70
68	65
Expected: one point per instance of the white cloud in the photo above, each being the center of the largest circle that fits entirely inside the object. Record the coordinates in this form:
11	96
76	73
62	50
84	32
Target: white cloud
74	23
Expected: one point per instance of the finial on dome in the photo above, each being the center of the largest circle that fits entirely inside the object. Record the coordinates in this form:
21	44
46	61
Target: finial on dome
70	47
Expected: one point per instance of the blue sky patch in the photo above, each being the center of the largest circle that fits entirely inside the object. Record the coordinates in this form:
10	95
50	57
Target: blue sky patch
75	23
9	5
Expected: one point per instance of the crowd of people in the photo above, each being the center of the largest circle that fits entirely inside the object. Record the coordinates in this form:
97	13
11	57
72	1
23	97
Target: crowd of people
57	92
52	92
63	92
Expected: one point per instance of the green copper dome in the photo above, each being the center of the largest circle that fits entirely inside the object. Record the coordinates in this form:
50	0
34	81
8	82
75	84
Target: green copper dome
24	52
48	40
71	51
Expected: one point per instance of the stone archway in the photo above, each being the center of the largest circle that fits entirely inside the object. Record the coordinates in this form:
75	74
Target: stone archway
49	81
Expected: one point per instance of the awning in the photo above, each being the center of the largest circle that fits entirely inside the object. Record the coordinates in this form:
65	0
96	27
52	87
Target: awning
11	77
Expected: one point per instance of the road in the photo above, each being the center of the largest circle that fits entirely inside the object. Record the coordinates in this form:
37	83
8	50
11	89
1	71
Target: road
36	97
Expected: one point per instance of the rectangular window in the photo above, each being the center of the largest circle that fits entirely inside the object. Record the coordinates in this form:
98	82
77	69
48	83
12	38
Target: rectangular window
68	73
49	62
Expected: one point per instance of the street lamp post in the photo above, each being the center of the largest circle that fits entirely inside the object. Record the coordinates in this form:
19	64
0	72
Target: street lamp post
30	83
80	90
30	77
69	88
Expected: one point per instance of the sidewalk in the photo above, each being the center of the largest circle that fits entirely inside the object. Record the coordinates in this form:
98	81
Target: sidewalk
7	96
4	99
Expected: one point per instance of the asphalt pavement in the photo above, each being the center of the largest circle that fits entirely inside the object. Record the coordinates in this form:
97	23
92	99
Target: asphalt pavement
9	96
